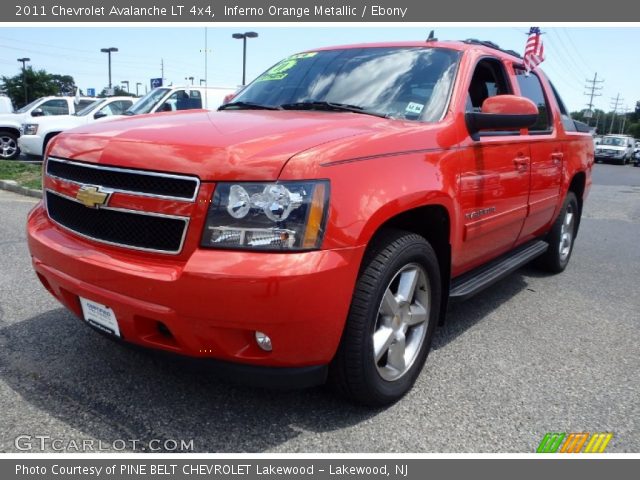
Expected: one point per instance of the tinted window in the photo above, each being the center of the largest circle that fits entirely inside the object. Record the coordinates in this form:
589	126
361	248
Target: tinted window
55	107
182	100
411	83
488	80
567	121
531	88
84	103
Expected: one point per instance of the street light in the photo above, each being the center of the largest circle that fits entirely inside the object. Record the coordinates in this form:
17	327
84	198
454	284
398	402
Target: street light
108	51
24	76
202	80
138	84
125	82
243	37
189	78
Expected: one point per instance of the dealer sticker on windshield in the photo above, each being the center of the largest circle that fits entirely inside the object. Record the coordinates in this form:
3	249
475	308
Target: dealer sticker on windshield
413	107
100	316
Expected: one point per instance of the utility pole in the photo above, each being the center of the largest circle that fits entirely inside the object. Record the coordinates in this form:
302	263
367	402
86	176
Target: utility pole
615	103
592	89
624	119
24	77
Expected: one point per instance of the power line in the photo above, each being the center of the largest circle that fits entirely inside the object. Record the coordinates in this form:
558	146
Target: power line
576	50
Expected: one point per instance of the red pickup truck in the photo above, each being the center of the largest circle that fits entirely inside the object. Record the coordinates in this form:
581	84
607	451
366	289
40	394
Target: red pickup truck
316	226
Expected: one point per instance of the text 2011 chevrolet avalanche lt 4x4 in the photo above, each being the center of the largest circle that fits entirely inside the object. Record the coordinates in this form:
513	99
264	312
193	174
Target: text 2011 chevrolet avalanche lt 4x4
317	226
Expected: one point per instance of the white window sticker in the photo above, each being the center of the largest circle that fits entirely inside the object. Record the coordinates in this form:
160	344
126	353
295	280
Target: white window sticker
414	108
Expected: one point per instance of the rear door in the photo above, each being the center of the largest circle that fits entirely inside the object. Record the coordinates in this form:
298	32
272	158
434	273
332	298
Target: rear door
546	157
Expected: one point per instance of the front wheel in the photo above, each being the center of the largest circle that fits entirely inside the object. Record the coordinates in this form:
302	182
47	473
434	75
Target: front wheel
391	321
8	146
561	237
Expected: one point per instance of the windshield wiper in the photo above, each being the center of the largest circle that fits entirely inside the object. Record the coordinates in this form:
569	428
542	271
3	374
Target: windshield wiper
331	107
247	106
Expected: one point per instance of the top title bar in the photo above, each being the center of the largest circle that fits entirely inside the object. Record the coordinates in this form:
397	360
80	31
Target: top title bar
213	11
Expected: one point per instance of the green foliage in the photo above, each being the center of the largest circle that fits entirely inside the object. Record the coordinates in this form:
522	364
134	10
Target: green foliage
26	174
39	84
630	121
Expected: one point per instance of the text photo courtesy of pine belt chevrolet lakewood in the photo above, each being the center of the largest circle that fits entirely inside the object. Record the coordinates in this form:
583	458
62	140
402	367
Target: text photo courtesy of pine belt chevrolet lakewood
316	226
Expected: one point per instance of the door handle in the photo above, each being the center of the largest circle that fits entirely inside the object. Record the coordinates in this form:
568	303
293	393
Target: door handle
521	163
557	157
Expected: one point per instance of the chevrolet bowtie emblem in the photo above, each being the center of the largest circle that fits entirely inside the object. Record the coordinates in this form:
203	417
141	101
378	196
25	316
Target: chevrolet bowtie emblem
92	197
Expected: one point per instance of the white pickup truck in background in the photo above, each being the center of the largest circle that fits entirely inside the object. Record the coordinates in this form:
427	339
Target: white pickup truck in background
190	97
10	123
36	133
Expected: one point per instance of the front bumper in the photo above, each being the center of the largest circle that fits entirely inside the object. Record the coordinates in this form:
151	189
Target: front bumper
30	144
212	303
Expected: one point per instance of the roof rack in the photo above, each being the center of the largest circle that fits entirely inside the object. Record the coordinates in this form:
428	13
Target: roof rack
495	46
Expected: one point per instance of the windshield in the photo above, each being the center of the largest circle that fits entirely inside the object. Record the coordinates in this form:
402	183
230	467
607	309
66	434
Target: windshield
146	103
86	110
412	83
615	141
28	106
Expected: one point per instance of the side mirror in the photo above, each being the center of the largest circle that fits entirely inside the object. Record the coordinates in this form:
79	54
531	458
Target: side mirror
37	112
502	112
98	115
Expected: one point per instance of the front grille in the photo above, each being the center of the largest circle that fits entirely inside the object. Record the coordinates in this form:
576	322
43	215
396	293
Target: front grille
137	230
139	182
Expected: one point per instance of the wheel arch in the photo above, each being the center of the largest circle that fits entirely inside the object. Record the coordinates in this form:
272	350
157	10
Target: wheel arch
578	185
433	222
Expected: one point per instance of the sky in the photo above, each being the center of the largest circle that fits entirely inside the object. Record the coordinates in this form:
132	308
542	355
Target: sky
573	54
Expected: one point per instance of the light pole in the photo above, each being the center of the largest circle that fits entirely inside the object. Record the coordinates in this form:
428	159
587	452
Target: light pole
24	76
202	80
125	82
243	37
138	84
108	51
190	79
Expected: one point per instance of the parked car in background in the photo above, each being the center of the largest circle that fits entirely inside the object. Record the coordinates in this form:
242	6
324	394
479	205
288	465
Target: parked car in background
173	99
636	156
617	148
5	104
36	133
10	123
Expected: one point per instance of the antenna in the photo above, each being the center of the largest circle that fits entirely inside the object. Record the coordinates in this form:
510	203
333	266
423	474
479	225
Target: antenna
432	36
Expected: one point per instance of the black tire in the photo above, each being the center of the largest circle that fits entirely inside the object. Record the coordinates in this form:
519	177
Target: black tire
555	259
355	371
8	145
47	139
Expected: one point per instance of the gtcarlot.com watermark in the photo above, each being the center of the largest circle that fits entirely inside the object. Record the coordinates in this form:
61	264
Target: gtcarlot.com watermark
46	443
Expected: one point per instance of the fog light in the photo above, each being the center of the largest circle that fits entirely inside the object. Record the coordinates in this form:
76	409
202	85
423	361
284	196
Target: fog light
264	342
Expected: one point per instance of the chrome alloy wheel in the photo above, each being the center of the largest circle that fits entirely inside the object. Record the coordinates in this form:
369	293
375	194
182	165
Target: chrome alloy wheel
8	146
402	322
566	233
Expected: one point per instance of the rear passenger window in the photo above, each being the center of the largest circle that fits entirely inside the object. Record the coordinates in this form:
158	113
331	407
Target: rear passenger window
531	88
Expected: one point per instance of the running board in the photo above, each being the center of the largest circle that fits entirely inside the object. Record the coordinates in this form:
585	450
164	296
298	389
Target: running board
482	277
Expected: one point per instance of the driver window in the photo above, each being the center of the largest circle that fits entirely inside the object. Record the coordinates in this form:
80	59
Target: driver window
488	80
55	107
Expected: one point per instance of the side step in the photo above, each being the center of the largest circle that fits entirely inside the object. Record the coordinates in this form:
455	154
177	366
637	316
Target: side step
470	283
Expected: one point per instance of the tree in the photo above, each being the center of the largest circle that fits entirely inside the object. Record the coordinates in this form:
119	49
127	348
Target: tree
39	84
117	92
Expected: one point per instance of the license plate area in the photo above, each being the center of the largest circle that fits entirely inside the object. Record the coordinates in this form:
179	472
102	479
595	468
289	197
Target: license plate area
100	316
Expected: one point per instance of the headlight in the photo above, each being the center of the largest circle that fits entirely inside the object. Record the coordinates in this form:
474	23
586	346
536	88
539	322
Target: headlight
267	216
30	129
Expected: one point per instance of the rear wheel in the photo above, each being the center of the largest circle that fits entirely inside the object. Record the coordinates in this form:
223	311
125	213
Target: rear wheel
8	145
391	321
561	237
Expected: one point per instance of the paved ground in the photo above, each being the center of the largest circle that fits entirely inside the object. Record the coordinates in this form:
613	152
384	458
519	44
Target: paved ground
535	354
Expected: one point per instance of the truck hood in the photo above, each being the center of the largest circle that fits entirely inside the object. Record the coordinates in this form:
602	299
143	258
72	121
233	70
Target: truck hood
228	145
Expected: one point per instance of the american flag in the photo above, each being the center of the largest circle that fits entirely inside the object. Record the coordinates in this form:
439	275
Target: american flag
534	50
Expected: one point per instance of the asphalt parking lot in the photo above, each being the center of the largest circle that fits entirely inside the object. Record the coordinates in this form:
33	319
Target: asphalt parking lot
532	355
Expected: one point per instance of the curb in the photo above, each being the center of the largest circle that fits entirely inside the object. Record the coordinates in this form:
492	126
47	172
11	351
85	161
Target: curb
12	186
